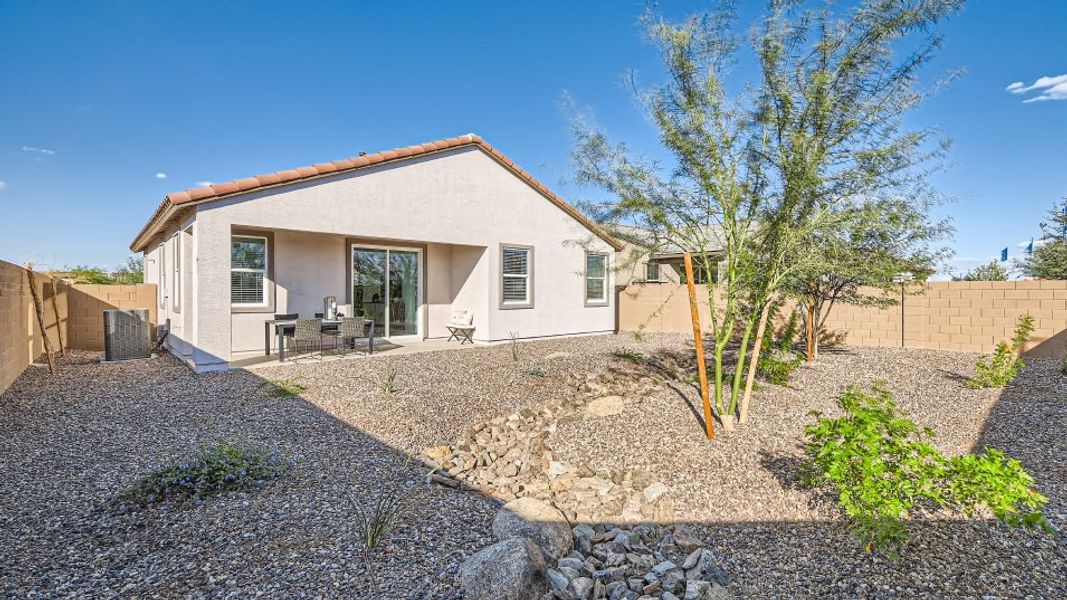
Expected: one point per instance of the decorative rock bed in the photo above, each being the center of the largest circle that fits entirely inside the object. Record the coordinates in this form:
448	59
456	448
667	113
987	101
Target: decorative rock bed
511	457
589	562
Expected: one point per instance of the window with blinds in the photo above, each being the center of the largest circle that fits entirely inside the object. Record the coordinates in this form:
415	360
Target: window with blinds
248	271
516	268
596	278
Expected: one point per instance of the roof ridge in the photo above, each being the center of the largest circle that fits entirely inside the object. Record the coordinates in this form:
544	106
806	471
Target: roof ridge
216	191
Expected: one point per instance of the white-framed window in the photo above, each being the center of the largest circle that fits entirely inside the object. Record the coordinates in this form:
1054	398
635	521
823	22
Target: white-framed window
516	276
651	271
162	275
596	278
176	301
248	270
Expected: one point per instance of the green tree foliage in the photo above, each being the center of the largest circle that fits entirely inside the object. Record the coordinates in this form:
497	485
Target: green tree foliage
762	173
1006	362
883	468
132	271
91	275
987	272
1049	260
856	261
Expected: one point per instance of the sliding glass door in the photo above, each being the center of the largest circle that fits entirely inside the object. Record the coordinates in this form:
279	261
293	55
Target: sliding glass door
386	287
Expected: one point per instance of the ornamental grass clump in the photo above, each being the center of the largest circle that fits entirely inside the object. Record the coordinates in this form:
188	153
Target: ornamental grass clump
285	388
1006	361
882	469
375	519
212	470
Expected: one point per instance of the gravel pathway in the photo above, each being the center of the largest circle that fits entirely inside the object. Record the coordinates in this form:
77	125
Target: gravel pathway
69	443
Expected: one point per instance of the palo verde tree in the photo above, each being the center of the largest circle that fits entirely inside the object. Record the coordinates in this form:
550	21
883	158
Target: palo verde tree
709	198
1049	260
854	181
856	261
766	172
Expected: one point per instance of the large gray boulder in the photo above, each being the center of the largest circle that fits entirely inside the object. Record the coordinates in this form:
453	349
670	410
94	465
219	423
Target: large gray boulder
537	521
513	569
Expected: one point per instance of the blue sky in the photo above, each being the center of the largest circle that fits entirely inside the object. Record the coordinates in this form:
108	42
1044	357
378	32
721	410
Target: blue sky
107	106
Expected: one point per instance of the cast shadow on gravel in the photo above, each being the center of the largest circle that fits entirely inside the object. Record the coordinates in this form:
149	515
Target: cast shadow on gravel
297	537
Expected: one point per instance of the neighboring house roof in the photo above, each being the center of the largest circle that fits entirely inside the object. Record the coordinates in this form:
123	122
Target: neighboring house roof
647	239
168	209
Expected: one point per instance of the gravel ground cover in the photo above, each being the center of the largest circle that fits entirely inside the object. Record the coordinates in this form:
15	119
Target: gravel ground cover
69	443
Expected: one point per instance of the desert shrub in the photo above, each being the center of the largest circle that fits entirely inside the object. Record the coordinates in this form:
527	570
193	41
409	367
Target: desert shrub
535	371
630	356
378	517
777	360
1063	363
881	467
283	387
514	346
1006	362
210	471
387	382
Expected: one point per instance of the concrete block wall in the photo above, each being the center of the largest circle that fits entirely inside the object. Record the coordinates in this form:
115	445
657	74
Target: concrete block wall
21	342
952	315
85	325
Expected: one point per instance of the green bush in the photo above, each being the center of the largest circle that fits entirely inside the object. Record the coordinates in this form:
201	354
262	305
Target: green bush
881	467
211	471
1063	363
1006	361
777	360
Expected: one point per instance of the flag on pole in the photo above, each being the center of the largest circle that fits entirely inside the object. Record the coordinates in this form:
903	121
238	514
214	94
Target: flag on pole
1030	247
1004	255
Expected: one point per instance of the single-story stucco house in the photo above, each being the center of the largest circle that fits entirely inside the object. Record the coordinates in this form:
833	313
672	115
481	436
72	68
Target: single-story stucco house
405	236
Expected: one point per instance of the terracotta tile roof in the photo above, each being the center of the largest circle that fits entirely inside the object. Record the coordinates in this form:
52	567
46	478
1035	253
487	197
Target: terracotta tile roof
171	205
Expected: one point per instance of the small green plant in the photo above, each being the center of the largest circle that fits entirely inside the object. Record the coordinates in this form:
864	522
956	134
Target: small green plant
1063	363
387	382
377	518
211	470
514	345
631	356
777	361
1006	361
536	371
283	387
882	467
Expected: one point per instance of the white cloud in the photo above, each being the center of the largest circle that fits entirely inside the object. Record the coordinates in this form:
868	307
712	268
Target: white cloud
204	183
38	150
3	185
161	175
1050	87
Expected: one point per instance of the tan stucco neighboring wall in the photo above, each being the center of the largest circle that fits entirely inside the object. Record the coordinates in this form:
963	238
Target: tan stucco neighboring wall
459	206
958	315
21	342
87	303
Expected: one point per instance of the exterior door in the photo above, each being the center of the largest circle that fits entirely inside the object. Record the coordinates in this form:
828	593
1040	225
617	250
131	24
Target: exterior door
387	287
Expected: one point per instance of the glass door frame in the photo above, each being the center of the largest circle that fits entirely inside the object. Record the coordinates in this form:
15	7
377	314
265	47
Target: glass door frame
421	267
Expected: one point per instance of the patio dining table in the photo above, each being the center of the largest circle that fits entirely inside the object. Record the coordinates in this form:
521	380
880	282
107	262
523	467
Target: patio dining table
327	324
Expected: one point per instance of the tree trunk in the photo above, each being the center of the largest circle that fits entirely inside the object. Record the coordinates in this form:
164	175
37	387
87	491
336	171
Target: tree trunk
809	321
752	362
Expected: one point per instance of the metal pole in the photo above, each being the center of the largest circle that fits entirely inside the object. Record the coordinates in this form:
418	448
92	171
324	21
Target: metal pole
901	314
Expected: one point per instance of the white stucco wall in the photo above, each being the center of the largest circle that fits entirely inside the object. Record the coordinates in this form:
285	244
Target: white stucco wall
459	205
